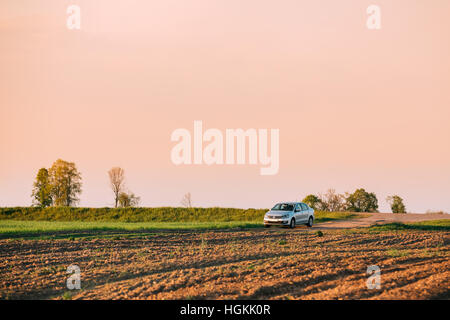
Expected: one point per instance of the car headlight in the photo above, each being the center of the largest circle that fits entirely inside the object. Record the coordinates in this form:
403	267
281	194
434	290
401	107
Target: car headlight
284	216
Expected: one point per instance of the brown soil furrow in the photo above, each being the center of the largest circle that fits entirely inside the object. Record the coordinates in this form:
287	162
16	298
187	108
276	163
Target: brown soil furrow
255	264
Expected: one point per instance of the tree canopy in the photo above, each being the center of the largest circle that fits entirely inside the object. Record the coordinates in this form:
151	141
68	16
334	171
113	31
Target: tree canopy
396	204
42	190
361	201
313	201
65	183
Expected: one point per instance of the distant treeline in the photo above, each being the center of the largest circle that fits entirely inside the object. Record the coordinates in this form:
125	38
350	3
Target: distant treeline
60	186
160	214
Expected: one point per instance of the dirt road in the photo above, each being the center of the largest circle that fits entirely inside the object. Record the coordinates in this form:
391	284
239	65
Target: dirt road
379	218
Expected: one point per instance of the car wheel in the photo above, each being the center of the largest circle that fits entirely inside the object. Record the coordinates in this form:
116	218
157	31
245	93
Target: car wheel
292	225
310	222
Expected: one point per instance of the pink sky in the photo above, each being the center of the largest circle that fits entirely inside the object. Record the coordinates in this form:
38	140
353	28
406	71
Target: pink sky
355	107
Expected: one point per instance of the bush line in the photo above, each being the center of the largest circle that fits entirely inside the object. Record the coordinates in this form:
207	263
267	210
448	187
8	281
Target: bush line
158	214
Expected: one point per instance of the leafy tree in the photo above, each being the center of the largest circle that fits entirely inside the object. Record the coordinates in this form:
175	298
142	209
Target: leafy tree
116	179
396	204
65	183
313	201
361	201
42	190
128	200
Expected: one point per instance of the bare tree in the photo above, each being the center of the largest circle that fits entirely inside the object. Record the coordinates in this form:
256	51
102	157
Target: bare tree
117	178
186	201
128	200
332	201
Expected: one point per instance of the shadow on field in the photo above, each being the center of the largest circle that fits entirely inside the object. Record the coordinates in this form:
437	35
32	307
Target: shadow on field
114	233
437	225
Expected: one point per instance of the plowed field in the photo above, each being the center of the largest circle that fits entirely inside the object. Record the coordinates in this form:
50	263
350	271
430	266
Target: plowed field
252	264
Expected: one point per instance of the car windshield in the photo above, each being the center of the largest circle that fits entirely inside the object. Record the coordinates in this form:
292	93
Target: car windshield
283	207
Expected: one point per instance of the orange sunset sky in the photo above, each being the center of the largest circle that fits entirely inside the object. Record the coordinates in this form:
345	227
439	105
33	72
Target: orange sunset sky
355	107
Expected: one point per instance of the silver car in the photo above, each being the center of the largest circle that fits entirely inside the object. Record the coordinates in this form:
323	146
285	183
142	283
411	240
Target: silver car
289	214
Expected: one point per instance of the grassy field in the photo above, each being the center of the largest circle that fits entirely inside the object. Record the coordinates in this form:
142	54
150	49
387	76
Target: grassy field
109	223
87	229
51	223
431	225
160	214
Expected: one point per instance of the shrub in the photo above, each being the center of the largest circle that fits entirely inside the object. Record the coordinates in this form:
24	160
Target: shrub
396	204
436	212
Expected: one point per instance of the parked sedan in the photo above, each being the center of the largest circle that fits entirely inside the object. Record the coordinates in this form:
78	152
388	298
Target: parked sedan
289	214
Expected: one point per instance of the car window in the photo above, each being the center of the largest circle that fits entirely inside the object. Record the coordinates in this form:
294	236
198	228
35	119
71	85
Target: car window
304	206
283	207
298	207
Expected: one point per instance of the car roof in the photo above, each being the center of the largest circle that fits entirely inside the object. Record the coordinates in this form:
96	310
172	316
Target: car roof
289	202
